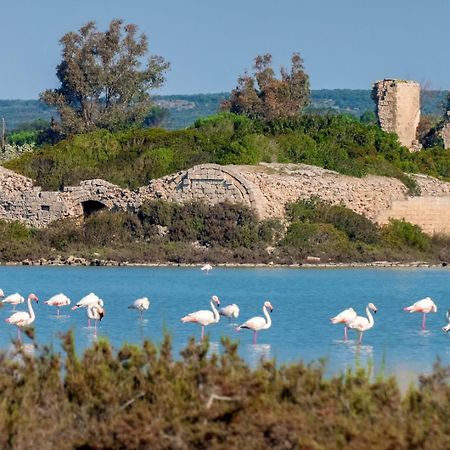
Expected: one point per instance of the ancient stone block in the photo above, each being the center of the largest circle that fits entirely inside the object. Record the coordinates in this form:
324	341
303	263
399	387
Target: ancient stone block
398	109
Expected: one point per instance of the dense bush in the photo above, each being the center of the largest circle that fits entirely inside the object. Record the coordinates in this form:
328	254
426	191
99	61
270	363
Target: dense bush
133	157
142	397
194	233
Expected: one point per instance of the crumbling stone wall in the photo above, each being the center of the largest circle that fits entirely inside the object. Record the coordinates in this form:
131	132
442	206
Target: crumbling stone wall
398	109
266	188
209	182
445	131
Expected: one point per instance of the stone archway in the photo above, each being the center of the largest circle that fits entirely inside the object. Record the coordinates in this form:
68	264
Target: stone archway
91	206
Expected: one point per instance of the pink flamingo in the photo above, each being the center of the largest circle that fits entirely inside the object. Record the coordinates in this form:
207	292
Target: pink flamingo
23	318
362	324
204	317
424	306
347	316
258	323
95	312
58	300
13	299
90	299
230	311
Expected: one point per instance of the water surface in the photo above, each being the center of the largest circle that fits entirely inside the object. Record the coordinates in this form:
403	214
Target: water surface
303	300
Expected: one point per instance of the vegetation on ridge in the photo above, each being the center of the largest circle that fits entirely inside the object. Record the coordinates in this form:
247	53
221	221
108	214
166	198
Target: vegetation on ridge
163	232
131	158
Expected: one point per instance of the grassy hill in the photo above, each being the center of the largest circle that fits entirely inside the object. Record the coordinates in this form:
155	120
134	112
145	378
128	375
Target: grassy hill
184	110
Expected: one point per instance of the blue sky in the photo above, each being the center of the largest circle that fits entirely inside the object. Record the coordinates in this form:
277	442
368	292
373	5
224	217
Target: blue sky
345	43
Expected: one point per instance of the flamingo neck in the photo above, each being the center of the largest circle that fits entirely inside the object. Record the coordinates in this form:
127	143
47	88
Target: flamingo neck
268	319
30	309
215	312
369	316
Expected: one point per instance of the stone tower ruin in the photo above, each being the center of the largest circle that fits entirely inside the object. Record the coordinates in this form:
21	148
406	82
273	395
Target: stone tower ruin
398	109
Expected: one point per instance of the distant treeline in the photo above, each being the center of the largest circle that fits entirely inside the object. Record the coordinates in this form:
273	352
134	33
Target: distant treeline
184	110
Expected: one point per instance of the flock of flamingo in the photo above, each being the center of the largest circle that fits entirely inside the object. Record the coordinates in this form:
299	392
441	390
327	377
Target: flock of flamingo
95	311
351	320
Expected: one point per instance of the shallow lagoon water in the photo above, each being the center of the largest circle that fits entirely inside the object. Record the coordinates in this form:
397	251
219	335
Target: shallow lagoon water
303	300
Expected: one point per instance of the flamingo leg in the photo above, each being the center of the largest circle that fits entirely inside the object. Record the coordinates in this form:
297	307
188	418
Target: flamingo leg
95	328
19	335
14	307
89	323
360	337
203	332
345	333
57	311
254	337
424	318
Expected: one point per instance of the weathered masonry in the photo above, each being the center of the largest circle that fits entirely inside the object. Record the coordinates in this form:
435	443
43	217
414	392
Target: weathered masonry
398	109
266	188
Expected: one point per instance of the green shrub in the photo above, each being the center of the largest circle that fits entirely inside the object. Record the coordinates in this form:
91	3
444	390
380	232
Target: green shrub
399	233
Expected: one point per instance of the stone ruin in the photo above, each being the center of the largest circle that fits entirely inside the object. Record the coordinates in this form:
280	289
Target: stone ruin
398	109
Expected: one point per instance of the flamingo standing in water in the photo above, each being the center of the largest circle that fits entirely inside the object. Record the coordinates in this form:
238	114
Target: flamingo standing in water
207	268
141	304
230	311
58	300
347	316
23	318
362	324
424	306
258	323
447	327
204	317
13	299
90	299
95	312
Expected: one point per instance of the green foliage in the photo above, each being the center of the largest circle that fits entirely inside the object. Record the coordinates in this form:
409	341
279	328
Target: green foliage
314	210
141	396
402	234
103	83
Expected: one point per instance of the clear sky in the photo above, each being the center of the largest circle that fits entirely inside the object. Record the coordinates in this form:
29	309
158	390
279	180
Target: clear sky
345	43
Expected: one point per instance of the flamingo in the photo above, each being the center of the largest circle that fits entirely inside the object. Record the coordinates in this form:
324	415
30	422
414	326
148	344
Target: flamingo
13	299
362	324
141	304
90	299
447	327
23	318
58	300
258	323
230	311
207	268
204	317
345	317
95	312
2	294
424	306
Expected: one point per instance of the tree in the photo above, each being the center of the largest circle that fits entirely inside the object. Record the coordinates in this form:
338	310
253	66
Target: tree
104	83
263	96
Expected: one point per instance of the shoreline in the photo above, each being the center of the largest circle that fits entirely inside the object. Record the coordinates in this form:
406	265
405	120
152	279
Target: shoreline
81	262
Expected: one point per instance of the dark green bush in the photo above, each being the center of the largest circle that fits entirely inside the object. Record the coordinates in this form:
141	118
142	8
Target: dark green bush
399	233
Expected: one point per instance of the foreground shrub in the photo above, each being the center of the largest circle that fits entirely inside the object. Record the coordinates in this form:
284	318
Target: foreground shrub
142	397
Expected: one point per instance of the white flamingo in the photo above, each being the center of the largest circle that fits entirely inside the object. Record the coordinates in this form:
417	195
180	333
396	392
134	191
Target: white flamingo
13	299
95	312
424	306
362	324
258	323
2	294
447	317
207	268
90	299
23	318
204	317
58	300
230	311
345	317
141	304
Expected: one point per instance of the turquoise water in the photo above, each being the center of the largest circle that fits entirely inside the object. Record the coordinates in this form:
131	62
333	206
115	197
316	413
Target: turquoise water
303	300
